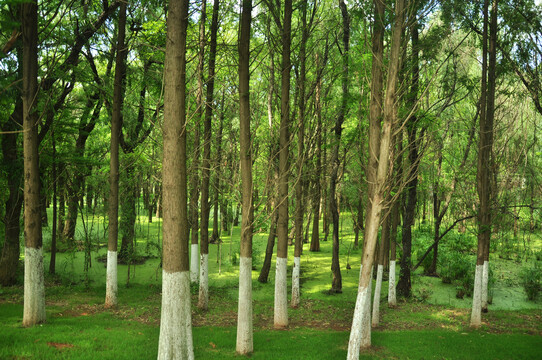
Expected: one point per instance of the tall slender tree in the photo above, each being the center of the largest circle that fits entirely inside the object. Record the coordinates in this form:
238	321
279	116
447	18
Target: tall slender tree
382	181
281	290
34	287
206	164
116	123
175	325
244	317
485	168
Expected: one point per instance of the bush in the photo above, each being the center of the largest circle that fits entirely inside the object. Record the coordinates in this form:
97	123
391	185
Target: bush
531	280
426	263
457	269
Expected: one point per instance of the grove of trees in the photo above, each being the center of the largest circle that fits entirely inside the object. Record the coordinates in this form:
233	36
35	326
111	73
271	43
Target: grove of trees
285	115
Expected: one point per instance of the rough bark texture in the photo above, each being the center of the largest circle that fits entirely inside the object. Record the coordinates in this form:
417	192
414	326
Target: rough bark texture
175	325
244	343
116	123
378	196
336	282
34	290
404	286
485	159
203	294
281	301
9	260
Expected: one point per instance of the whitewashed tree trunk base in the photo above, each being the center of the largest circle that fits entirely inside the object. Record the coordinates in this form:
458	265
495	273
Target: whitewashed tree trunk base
203	299
175	323
194	256
476	314
376	301
244	343
485	283
354	343
366	320
281	294
34	287
295	282
111	280
392	297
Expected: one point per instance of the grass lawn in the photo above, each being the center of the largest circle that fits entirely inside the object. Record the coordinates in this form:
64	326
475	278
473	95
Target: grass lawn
79	327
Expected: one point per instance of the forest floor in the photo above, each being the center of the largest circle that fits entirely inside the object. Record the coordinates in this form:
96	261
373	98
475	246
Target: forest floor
434	324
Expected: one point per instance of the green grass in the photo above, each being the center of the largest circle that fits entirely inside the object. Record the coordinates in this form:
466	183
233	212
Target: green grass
79	327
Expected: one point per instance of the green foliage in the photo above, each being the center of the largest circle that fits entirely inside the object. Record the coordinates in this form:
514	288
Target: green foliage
457	269
531	280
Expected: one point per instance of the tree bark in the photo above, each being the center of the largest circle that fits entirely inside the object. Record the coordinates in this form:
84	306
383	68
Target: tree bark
485	161
175	340
336	283
116	124
34	288
404	286
206	168
373	215
9	260
244	319
281	297
299	186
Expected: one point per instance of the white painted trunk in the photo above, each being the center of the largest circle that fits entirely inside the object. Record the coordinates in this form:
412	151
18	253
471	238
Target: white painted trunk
244	312
175	323
476	314
366	320
354	343
392	298
203	299
34	287
281	294
194	271
295	282
485	282
376	301
111	280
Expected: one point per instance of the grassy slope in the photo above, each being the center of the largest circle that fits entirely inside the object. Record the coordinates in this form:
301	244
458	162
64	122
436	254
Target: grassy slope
78	326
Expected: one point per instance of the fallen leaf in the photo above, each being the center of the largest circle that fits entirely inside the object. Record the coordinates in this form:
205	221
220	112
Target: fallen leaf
212	345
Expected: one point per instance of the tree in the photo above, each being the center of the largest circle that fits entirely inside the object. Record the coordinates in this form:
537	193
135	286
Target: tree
175	324
281	294
404	285
34	287
378	196
244	317
206	164
116	123
485	168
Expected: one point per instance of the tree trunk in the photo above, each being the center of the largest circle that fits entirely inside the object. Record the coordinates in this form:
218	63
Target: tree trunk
52	262
218	166
336	283
378	196
392	299
404	287
384	241
485	163
317	196
34	288
281	296
299	186
175	340
9	260
203	295
116	124
244	318
206	171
